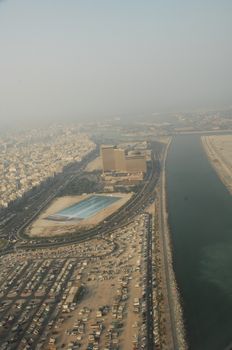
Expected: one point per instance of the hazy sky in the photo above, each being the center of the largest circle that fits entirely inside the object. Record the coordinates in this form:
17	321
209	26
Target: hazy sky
73	58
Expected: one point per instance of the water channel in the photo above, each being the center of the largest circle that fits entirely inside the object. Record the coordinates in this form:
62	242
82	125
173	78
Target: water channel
200	217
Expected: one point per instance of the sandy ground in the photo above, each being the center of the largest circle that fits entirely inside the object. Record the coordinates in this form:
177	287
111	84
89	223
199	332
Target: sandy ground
96	164
42	227
219	150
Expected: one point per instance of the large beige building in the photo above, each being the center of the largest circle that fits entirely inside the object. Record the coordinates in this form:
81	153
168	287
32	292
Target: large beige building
136	163
119	160
107	155
115	159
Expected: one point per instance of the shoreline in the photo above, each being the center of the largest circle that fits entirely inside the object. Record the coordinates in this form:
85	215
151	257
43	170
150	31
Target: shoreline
218	162
207	132
177	309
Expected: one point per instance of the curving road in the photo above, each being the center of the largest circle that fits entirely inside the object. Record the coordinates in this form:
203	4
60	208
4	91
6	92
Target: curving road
125	214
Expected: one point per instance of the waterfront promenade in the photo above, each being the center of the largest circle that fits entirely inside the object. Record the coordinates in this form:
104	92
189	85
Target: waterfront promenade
175	334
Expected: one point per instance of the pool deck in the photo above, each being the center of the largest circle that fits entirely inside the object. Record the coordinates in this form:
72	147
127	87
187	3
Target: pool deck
44	227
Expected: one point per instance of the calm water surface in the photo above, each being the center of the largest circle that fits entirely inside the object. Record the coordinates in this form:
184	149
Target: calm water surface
87	207
200	215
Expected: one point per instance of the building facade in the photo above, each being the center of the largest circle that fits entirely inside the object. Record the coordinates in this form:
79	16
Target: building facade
116	160
107	155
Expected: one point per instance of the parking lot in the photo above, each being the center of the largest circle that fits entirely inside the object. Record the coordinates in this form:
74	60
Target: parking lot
87	296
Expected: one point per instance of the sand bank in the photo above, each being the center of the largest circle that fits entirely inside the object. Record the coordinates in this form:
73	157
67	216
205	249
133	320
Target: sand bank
219	151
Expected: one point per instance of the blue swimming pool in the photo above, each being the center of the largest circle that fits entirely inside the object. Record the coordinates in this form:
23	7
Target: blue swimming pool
85	208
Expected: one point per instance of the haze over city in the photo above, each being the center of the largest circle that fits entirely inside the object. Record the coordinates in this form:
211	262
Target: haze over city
75	59
115	175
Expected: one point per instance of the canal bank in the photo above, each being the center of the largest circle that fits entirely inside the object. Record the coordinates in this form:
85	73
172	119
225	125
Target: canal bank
167	303
200	218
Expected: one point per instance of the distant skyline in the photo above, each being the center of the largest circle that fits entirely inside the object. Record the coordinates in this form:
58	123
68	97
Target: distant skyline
70	60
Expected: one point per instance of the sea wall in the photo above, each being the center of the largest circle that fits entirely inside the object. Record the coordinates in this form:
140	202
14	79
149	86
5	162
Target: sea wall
176	311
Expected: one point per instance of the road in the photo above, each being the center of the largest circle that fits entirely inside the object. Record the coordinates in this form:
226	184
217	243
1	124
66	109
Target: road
119	219
164	234
125	214
14	229
149	289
